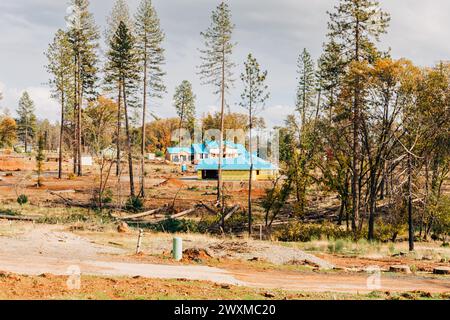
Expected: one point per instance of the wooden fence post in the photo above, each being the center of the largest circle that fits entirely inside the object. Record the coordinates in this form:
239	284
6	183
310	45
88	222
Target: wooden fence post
138	247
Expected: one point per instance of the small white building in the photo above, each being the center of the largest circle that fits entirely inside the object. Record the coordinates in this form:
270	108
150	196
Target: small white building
87	161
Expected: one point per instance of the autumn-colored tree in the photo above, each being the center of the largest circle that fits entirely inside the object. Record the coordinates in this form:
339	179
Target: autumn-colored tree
233	120
355	25
159	134
100	119
8	130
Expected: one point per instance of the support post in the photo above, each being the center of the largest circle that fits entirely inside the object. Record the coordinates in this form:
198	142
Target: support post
138	247
177	249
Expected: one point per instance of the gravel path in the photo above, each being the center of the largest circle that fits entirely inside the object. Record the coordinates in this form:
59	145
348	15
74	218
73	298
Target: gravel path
46	249
242	250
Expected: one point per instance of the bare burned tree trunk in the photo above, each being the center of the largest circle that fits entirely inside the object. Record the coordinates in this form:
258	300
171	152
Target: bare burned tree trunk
119	115
79	110
144	111
250	180
356	147
410	207
61	136
79	145
127	129
222	124
75	124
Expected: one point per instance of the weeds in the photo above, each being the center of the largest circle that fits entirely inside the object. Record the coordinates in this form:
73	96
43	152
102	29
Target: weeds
9	212
134	204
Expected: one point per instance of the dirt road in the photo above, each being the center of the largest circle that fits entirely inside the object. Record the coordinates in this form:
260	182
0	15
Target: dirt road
46	249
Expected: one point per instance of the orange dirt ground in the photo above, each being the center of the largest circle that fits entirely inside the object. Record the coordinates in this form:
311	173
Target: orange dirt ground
164	181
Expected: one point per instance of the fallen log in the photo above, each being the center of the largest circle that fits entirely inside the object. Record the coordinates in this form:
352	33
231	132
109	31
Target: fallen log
208	208
62	191
173	216
232	211
161	183
18	218
67	201
143	214
156	218
217	225
186	212
72	203
441	270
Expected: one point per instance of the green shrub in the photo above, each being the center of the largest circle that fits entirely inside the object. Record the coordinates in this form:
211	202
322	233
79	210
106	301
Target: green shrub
339	245
22	199
386	232
134	204
392	248
441	226
177	226
304	232
71	218
9	212
96	217
336	246
107	196
237	223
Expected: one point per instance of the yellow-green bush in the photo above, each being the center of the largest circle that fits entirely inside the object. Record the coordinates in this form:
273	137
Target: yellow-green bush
305	232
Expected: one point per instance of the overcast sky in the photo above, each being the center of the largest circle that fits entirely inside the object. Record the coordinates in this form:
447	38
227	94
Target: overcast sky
275	31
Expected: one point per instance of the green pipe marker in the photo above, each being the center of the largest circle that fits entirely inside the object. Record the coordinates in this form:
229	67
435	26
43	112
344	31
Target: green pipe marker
177	249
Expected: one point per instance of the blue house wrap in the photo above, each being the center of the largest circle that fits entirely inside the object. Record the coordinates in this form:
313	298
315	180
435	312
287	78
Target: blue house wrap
238	164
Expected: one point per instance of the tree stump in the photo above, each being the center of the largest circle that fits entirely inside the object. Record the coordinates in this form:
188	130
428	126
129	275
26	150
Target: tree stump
400	269
123	228
441	270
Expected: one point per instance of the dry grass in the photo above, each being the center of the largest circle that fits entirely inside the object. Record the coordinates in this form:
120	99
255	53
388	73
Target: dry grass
365	249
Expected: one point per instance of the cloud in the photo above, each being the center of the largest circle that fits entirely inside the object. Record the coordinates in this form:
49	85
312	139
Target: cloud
275	31
276	114
46	107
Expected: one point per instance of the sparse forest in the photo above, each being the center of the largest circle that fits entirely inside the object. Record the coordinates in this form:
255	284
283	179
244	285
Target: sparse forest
223	150
365	155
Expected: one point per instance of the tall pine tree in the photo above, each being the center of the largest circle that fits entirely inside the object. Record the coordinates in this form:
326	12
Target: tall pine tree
184	103
306	89
61	69
83	36
123	66
217	66
355	25
26	121
331	67
119	13
149	38
253	98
